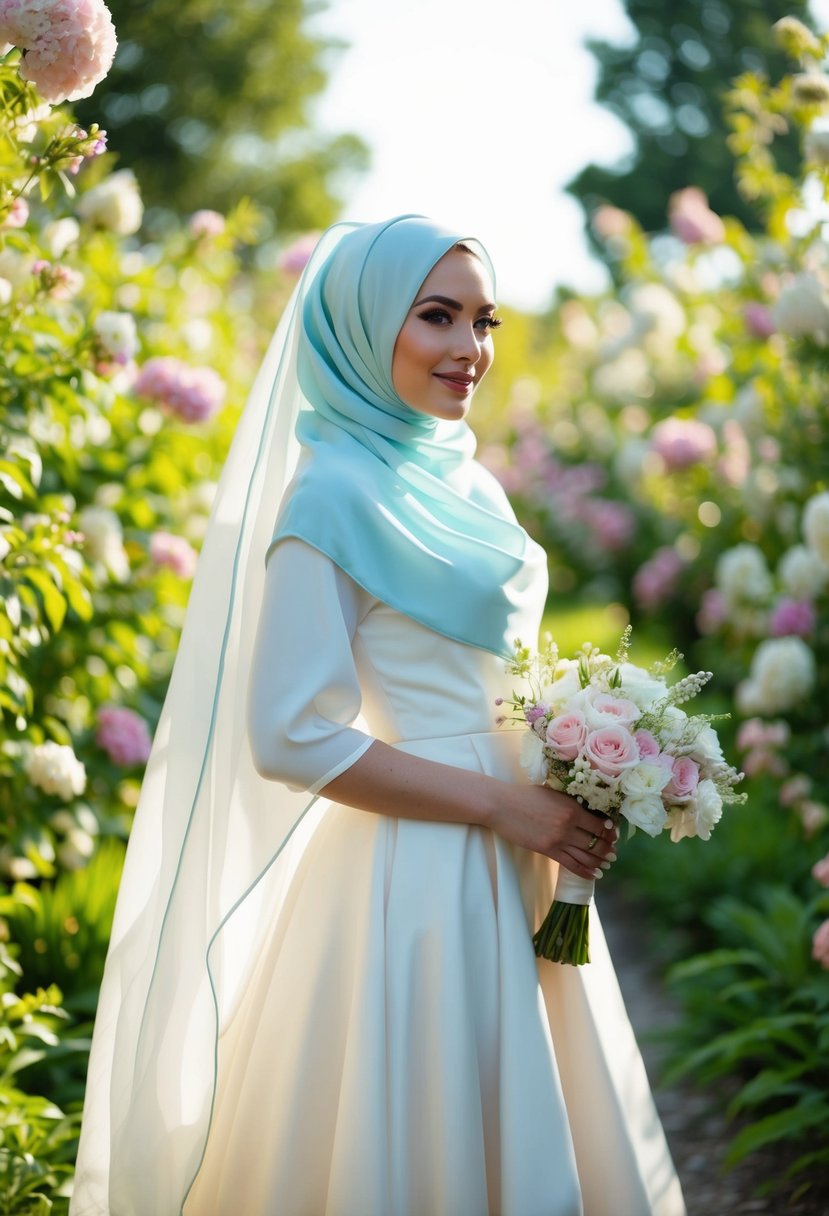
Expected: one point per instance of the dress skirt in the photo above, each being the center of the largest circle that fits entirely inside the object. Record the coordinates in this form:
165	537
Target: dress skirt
400	1051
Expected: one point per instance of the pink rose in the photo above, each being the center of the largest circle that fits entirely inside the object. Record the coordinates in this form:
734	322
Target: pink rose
605	709
684	779
648	744
820	871
820	945
611	749
566	734
69	44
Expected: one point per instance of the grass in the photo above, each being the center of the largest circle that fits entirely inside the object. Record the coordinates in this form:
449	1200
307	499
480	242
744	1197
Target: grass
573	623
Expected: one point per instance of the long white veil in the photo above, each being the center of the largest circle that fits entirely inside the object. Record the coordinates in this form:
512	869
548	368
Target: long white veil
207	830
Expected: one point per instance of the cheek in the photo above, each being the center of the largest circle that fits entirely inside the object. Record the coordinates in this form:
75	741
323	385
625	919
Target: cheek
414	355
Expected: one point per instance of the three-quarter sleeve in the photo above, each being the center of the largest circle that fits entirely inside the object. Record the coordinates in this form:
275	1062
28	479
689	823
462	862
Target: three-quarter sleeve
304	693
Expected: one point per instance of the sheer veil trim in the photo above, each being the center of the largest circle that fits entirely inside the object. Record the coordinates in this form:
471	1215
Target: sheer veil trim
207	830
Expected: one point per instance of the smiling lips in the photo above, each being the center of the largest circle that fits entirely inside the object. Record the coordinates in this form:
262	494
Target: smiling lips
459	382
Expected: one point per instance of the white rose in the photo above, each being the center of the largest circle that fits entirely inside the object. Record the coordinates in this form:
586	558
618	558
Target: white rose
707	746
60	234
55	769
565	686
802	309
114	204
117	335
533	760
802	574
782	673
673	722
816	525
645	780
640	686
645	812
742	574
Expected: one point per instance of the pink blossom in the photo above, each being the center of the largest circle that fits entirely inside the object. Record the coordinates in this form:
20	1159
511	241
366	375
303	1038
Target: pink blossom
206	224
755	732
820	871
294	258
123	735
692	220
194	393
792	617
820	945
813	816
68	45
793	790
683	442
656	579
684	779
612	523
566	734
174	553
609	222
763	760
59	282
611	750
647	743
713	611
759	320
17	214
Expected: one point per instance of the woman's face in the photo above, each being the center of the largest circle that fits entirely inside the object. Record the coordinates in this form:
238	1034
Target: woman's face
444	348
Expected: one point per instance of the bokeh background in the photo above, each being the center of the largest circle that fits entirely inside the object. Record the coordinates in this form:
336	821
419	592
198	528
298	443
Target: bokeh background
651	179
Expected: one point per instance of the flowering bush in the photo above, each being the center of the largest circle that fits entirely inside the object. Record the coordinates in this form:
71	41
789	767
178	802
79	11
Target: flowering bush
68	45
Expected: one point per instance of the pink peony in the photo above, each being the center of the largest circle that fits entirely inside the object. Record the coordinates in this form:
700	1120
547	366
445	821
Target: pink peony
566	734
68	45
123	735
684	779
174	553
820	945
692	220
656	579
820	871
194	393
648	745
759	320
206	224
610	750
792	618
683	442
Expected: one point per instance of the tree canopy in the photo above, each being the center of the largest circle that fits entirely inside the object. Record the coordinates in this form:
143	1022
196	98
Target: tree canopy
208	102
667	88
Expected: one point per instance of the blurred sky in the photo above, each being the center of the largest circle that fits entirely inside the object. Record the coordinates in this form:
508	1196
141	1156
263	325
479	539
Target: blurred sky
477	113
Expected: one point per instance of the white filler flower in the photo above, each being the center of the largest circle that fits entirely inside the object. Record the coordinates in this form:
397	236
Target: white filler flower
55	769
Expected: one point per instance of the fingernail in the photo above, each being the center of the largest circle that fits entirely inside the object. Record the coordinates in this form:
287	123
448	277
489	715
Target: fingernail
611	857
608	823
598	874
605	865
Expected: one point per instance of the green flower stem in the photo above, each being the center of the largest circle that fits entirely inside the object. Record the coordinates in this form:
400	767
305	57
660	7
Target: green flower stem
564	935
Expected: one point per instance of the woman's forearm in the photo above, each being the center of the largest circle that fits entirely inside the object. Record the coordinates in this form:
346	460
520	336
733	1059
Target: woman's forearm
390	782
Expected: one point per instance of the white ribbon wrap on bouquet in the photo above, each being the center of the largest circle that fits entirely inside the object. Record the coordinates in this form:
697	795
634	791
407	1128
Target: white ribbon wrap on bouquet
570	889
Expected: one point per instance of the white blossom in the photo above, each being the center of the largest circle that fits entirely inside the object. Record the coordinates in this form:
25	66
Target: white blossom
116	334
742	575
645	811
801	573
782	674
104	540
816	525
802	309
700	818
55	769
114	203
60	234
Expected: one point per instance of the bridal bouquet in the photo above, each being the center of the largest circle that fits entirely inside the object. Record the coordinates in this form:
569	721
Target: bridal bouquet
614	736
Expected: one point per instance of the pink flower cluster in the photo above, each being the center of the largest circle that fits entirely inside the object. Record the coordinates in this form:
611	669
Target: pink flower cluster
194	393
791	617
17	214
683	442
692	220
294	258
567	494
657	579
761	742
123	735
174	553
59	282
206	224
68	45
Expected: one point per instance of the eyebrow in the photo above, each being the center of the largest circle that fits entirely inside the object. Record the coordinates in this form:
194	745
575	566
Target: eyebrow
449	303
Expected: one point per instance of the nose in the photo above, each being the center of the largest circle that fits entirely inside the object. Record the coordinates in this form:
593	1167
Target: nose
467	343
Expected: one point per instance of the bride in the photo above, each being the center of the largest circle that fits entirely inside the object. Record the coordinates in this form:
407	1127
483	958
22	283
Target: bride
321	996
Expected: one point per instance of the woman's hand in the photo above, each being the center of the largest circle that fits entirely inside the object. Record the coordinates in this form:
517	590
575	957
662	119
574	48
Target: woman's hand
556	825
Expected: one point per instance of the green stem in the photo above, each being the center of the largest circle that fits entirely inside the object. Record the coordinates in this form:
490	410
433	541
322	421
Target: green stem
564	934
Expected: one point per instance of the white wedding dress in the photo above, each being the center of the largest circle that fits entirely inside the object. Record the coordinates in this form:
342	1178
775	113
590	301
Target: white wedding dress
397	1049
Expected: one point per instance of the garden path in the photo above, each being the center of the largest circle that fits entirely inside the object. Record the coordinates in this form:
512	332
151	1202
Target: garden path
694	1119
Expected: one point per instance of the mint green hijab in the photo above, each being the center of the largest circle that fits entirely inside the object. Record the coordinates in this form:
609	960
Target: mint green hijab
391	495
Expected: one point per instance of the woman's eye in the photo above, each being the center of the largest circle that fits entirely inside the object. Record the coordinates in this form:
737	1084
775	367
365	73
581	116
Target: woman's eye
436	316
489	322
